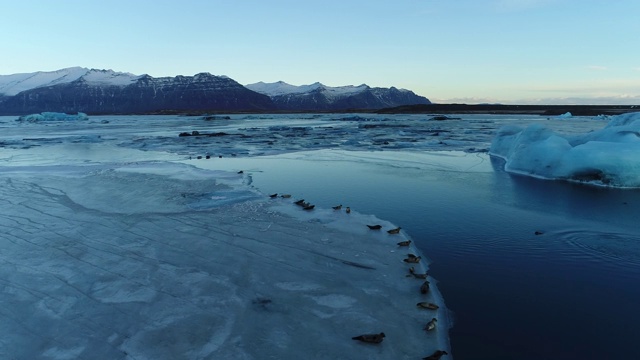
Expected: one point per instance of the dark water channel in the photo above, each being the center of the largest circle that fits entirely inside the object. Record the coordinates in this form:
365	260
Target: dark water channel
570	292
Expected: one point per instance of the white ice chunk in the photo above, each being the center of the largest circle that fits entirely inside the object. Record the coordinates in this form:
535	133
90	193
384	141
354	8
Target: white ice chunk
53	116
610	156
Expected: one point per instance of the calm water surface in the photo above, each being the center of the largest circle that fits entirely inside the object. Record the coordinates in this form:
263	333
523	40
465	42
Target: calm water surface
569	293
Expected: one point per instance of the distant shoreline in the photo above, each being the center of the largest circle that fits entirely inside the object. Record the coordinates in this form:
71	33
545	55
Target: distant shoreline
496	109
547	110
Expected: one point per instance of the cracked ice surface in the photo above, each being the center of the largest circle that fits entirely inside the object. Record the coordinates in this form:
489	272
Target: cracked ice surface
161	260
251	135
112	246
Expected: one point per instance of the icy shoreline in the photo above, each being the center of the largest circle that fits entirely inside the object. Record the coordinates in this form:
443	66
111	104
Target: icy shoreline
107	232
353	225
160	260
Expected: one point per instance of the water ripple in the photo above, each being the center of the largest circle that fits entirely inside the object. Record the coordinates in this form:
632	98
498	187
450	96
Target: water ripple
611	247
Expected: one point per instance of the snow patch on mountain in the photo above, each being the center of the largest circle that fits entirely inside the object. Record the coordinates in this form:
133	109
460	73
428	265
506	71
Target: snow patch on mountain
16	83
282	88
109	77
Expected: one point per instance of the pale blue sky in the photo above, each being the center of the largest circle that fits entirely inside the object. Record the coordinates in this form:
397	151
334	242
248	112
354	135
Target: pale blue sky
510	51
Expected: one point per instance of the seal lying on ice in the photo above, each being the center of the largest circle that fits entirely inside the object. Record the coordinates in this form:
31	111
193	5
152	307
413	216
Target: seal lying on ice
370	338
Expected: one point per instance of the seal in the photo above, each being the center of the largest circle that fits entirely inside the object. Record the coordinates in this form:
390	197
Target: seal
412	259
394	231
420	276
285	196
273	196
299	202
374	227
348	210
337	207
370	338
436	355
431	324
308	207
424	288
413	272
404	243
427	305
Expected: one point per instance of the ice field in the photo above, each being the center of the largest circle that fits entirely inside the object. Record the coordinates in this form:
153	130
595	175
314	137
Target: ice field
113	251
124	239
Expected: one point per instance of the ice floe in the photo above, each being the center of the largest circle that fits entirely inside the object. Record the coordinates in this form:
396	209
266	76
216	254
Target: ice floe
121	238
609	156
53	116
143	260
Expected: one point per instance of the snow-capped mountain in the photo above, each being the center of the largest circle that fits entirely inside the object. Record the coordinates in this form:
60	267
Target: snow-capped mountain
93	91
282	88
14	84
107	92
321	97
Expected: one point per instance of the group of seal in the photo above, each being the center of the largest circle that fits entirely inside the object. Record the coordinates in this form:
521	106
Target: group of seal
424	290
301	203
392	231
377	338
304	205
339	207
273	196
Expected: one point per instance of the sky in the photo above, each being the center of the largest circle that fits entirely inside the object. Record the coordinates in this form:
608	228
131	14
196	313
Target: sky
464	51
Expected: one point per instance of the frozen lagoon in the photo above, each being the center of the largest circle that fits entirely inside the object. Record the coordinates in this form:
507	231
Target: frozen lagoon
515	294
114	252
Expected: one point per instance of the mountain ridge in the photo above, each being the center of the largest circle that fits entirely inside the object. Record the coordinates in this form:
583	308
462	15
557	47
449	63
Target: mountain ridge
78	89
16	83
318	96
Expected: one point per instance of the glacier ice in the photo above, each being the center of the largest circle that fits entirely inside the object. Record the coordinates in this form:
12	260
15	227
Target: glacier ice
118	240
53	116
118	253
609	156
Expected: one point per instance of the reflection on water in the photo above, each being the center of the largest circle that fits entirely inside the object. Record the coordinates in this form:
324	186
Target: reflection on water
569	292
616	206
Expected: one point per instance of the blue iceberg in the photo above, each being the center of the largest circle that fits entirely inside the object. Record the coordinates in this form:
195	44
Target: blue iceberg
53	116
606	157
